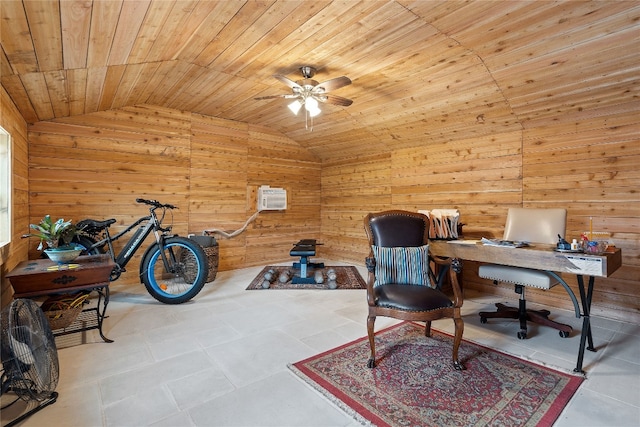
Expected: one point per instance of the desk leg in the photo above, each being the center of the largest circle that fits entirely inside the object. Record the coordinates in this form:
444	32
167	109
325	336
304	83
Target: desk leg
586	322
103	296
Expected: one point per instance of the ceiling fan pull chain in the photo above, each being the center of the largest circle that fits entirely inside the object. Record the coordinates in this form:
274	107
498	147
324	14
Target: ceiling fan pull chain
306	121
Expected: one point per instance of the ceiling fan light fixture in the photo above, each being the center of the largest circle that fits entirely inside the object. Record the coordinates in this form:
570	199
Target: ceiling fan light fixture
314	112
309	93
295	107
311	104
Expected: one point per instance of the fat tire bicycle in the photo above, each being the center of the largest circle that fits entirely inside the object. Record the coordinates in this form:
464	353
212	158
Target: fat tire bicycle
173	268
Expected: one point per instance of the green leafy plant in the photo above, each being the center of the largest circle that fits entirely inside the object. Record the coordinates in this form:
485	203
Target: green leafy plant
53	233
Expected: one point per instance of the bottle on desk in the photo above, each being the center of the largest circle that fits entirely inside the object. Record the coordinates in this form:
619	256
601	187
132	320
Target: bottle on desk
574	245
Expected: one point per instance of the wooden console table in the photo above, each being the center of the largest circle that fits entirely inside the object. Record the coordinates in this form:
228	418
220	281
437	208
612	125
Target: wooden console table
542	257
87	273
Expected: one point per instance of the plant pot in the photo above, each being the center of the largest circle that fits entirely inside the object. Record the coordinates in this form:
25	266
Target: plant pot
63	254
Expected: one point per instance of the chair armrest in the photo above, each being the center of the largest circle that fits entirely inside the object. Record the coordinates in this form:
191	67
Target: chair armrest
454	266
370	262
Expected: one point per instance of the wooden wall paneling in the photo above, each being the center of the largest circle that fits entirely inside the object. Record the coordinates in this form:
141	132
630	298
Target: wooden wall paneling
586	164
268	20
476	105
351	188
175	83
233	30
36	85
130	77
96	165
75	22
149	31
95	82
397	34
131	17
13	83
219	184
112	81
46	33
16	251
58	93
138	121
19	50
213	23
257	57
191	89
104	20
601	93
76	82
139	93
193	96
176	29
473	175
279	162
493	32
156	76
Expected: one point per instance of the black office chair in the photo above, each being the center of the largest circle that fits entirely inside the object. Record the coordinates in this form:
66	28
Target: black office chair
535	226
400	284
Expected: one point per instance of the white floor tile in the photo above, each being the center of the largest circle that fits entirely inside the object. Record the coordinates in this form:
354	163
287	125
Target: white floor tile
278	400
221	359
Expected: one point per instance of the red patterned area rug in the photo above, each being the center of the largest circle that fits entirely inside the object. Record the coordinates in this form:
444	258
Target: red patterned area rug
414	383
347	277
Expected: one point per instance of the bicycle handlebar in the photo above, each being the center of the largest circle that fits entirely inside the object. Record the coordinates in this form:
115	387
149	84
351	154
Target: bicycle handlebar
156	203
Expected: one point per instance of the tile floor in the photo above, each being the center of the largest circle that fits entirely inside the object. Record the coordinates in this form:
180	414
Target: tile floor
221	360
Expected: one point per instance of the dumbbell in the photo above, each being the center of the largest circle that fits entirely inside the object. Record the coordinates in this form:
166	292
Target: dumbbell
331	278
269	277
284	276
318	277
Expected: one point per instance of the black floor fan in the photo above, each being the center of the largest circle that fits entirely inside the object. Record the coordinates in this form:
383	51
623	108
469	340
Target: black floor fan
29	355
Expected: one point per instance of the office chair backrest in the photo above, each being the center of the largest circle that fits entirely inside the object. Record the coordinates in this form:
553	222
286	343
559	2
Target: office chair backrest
535	225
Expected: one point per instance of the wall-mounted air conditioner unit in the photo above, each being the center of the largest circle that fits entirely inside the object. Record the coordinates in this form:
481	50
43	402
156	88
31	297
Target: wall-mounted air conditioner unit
272	199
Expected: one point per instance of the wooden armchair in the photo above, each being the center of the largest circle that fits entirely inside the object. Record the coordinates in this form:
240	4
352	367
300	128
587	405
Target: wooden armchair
400	282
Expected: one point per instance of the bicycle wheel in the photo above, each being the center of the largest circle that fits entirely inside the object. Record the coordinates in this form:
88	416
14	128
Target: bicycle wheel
186	273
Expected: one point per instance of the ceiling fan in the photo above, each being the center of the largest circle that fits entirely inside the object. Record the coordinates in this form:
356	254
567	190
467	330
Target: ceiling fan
308	92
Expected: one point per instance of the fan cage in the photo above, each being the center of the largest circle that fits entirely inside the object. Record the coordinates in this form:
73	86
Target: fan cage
29	355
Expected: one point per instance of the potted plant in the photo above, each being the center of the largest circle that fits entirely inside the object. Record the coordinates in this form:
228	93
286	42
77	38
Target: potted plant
57	236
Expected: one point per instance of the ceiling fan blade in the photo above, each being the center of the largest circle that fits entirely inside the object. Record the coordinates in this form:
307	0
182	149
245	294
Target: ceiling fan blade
333	84
290	95
335	100
287	81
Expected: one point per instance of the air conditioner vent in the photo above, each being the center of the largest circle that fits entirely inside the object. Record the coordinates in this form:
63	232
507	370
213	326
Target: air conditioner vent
272	199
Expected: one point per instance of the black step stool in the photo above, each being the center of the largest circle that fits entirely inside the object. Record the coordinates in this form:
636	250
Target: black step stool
305	248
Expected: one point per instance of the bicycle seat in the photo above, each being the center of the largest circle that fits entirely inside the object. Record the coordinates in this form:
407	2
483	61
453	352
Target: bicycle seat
92	226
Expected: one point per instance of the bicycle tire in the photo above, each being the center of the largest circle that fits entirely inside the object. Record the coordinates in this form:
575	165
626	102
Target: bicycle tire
188	275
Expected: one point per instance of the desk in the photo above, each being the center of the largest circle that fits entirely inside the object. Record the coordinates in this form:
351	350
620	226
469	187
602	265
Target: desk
44	277
542	257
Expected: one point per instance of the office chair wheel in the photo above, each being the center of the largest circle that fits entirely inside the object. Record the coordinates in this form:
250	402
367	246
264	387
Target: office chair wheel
483	320
522	335
563	334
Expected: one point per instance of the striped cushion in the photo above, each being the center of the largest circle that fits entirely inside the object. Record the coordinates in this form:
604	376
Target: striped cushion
402	265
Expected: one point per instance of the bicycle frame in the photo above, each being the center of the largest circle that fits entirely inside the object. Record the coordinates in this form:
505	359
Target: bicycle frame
134	243
172	269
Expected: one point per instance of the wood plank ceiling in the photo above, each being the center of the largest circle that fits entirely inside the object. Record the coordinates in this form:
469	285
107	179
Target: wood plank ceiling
422	71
